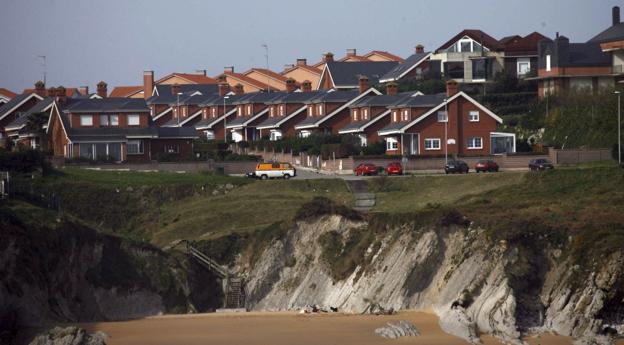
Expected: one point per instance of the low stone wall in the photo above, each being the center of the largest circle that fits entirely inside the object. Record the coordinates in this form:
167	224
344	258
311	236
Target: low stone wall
230	167
580	156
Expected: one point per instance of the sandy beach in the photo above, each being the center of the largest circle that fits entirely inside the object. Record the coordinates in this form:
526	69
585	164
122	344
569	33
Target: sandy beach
283	328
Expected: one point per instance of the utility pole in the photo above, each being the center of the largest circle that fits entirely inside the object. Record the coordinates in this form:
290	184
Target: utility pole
446	132
225	134
618	93
266	55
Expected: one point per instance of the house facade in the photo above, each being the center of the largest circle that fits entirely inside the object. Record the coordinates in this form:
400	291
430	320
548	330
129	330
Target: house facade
302	72
345	75
217	111
416	67
448	123
17	107
251	110
6	95
164	101
521	56
113	129
246	83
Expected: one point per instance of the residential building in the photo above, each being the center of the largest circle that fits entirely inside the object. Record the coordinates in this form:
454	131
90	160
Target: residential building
274	80
380	55
18	106
329	112
417	66
6	95
450	123
302	72
352	56
344	75
164	100
113	129
217	111
521	54
251	110
248	84
18	131
371	113
286	111
471	56
146	91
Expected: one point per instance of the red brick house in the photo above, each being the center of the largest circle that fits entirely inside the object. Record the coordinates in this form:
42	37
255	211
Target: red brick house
18	106
302	72
345	75
248	84
418	66
274	80
521	54
429	125
371	113
114	129
6	95
286	111
329	112
251	110
164	102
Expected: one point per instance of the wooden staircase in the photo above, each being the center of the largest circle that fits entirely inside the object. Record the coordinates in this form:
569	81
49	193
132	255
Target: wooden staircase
235	294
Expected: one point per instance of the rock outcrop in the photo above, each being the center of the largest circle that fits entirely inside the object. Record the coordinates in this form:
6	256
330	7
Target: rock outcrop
69	336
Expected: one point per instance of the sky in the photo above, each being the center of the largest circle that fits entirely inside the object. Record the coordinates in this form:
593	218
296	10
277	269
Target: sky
86	41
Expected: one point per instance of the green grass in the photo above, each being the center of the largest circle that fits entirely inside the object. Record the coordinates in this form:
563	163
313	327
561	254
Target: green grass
399	195
123	179
245	209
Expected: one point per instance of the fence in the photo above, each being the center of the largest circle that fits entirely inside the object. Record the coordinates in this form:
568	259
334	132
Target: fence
516	161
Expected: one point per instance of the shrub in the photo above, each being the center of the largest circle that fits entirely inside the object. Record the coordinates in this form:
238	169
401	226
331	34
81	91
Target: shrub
24	161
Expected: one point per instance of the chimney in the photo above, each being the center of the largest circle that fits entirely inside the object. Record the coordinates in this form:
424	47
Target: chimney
306	86
363	83
51	92
615	13
302	62
238	89
351	52
61	94
84	90
202	72
451	88
328	57
222	78
224	88
288	66
228	69
557	34
148	84
392	89
102	89
290	85
175	89
420	49
40	88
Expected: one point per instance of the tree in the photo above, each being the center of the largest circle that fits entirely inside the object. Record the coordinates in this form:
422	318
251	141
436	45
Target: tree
35	124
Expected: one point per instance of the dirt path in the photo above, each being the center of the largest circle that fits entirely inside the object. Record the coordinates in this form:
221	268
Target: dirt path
281	329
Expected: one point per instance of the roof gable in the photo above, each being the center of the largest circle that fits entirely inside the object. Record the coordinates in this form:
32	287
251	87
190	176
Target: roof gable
346	74
477	35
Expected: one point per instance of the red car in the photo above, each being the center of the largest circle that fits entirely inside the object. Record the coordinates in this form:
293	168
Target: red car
365	169
394	169
486	165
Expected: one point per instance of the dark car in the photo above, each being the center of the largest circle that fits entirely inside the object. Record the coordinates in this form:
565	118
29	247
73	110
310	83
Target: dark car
540	164
394	169
456	167
486	165
365	169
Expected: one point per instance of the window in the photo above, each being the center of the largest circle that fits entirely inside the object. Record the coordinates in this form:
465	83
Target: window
524	66
432	144
114	120
365	115
135	147
465	46
172	148
475	143
281	111
86	120
355	115
320	109
133	120
310	111
363	140
275	135
405	116
480	69
214	111
473	116
442	116
394	116
103	120
184	111
249	110
272	111
209	135
548	63
392	144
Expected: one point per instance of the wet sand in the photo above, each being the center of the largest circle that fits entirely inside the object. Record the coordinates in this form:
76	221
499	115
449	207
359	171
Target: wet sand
282	329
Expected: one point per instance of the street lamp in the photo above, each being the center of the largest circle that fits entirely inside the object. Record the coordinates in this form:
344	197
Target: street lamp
178	108
225	119
619	128
446	131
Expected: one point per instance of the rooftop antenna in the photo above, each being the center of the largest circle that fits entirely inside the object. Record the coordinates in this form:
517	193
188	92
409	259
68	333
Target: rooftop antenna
43	58
266	55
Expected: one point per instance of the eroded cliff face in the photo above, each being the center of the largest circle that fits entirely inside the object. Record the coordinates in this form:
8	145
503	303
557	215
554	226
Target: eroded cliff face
473	283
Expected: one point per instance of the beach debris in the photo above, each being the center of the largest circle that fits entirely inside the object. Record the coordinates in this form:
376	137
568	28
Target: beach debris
315	309
397	330
377	309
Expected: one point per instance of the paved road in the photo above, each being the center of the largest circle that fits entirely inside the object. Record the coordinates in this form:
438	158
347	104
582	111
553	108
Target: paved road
305	174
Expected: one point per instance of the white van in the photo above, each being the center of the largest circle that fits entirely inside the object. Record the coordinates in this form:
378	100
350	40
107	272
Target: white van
274	170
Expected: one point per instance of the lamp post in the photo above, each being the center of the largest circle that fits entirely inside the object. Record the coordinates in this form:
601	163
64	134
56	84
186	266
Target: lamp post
266	55
446	132
178	108
619	128
225	119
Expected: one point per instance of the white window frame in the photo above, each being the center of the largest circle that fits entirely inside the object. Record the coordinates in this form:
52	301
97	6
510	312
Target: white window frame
214	111
84	122
355	114
548	63
523	61
394	116
464	40
405	115
209	135
442	116
320	109
431	142
114	122
175	147
272	111
472	141
392	144
310	109
134	116
104	121
184	111
249	109
282	110
473	116
275	135
365	114
140	149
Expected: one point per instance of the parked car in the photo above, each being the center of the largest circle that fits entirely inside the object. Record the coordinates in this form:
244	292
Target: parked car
272	170
456	167
365	169
540	164
486	165
394	169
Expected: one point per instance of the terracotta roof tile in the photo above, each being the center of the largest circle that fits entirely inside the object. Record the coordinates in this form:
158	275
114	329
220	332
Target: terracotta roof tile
269	73
193	78
125	91
309	68
246	79
477	35
7	93
386	54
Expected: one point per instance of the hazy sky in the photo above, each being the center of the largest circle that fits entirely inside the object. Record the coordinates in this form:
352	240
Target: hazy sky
86	41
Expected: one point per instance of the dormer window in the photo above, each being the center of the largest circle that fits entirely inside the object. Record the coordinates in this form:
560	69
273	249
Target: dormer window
310	110
365	114
405	116
214	111
394	116
320	109
86	120
282	110
249	110
548	63
355	115
272	111
134	120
